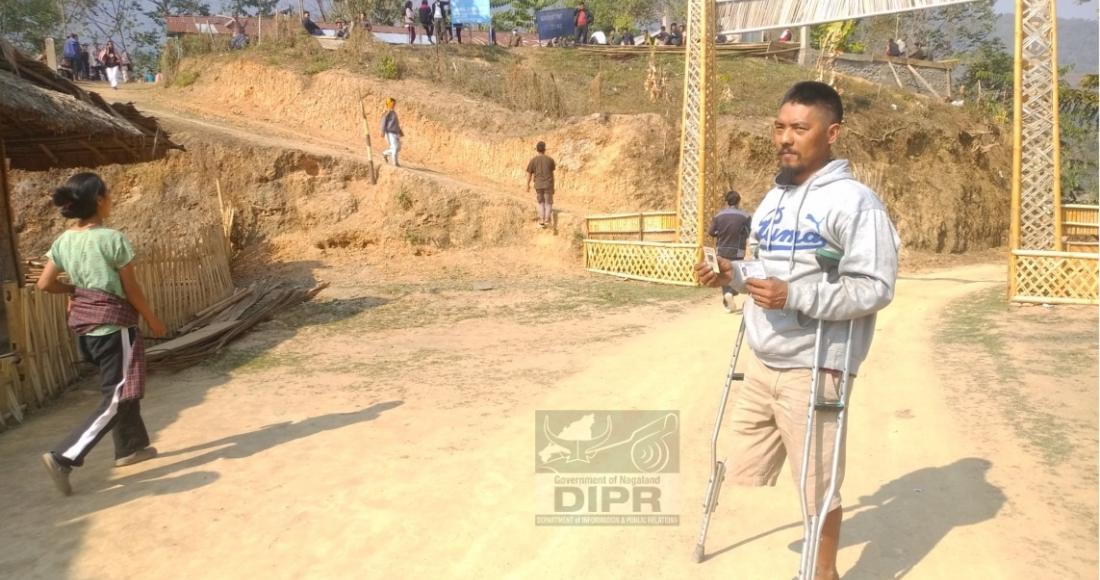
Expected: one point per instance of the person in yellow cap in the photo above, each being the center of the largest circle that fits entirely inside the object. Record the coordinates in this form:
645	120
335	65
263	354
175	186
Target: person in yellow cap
391	131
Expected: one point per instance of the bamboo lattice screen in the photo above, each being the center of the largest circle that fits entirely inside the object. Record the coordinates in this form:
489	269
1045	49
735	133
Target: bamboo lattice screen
1039	269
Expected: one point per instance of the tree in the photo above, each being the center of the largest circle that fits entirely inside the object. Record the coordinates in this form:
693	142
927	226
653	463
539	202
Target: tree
251	7
27	23
948	32
159	10
617	13
990	71
379	11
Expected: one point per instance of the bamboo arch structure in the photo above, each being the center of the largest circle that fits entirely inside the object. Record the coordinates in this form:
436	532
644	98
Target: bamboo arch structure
1040	268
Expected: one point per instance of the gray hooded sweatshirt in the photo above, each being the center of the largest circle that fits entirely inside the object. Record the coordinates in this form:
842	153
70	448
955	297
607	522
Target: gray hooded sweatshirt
829	210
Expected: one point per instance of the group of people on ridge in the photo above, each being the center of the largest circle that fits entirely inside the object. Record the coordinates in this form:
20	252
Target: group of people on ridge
110	64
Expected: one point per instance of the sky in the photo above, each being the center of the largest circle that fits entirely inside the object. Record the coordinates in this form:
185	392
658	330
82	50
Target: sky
1064	8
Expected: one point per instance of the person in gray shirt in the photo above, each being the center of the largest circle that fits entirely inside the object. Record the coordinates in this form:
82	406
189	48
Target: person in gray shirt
730	230
817	204
391	131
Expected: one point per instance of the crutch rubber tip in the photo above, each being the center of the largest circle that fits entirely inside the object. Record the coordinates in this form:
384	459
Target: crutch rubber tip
697	556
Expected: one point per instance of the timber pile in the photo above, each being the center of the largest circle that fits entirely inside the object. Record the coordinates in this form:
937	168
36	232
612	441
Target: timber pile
215	326
32	270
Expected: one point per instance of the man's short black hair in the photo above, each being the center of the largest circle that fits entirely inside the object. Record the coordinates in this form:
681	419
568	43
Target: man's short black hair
540	147
815	94
733	198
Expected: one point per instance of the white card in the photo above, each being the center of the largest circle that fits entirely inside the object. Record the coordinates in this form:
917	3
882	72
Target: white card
751	269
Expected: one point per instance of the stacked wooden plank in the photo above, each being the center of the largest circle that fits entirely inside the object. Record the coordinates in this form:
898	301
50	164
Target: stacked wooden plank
32	270
214	327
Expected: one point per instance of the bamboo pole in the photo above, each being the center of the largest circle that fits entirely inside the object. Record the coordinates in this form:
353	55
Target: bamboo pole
1057	131
923	82
895	71
366	135
1017	134
9	261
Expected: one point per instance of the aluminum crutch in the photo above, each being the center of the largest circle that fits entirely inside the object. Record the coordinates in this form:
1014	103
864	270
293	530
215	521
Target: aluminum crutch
813	524
718	467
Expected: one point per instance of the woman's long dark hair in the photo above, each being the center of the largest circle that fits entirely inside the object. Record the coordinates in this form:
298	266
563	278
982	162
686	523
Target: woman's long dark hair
79	197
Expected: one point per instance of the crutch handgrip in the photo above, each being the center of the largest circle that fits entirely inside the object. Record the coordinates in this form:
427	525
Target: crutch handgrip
828	260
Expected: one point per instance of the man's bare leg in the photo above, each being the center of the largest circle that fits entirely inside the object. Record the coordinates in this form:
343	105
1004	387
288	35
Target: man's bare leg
830	542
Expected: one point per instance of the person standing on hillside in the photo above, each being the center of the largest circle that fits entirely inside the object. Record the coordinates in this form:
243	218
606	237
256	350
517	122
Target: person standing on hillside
111	63
70	56
105	301
425	13
85	63
541	170
730	230
310	26
439	14
391	132
675	38
582	19
410	21
125	66
816	204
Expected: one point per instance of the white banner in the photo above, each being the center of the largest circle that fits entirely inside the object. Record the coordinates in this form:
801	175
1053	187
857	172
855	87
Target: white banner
738	16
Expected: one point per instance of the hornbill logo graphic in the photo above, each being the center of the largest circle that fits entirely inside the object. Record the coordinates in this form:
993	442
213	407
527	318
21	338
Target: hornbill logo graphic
582	450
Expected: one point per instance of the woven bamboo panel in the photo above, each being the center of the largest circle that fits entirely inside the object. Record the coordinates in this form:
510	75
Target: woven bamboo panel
40	337
1079	222
1039	161
651	226
11	407
1057	277
184	276
649	261
697	143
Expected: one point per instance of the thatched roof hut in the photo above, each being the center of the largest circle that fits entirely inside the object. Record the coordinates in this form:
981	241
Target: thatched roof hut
48	122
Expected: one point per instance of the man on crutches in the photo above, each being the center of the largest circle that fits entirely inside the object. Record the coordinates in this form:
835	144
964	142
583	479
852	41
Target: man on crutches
829	258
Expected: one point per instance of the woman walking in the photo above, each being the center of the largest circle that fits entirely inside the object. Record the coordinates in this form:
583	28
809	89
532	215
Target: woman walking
111	62
410	21
105	301
425	14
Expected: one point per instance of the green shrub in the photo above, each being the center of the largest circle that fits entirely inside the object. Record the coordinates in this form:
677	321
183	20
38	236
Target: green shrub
387	67
185	78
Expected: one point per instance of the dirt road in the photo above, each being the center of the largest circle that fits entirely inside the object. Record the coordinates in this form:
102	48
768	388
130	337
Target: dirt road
345	441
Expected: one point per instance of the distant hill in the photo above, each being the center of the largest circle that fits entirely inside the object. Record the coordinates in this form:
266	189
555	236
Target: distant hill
1077	40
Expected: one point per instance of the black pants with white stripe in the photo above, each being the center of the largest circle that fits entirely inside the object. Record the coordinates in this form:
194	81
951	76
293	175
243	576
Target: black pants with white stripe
111	353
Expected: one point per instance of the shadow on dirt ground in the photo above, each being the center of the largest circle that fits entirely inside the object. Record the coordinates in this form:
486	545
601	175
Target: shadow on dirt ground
66	521
904	520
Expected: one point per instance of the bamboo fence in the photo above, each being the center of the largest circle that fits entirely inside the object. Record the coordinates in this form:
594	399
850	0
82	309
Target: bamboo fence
179	278
655	226
647	261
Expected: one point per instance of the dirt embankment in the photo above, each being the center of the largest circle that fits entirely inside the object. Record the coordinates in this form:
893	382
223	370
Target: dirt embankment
603	158
289	204
942	173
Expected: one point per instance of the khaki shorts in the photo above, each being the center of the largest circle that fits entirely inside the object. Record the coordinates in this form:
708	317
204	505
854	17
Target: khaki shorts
769	424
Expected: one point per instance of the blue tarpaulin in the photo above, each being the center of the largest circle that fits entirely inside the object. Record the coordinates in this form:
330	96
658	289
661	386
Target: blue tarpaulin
470	12
555	22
